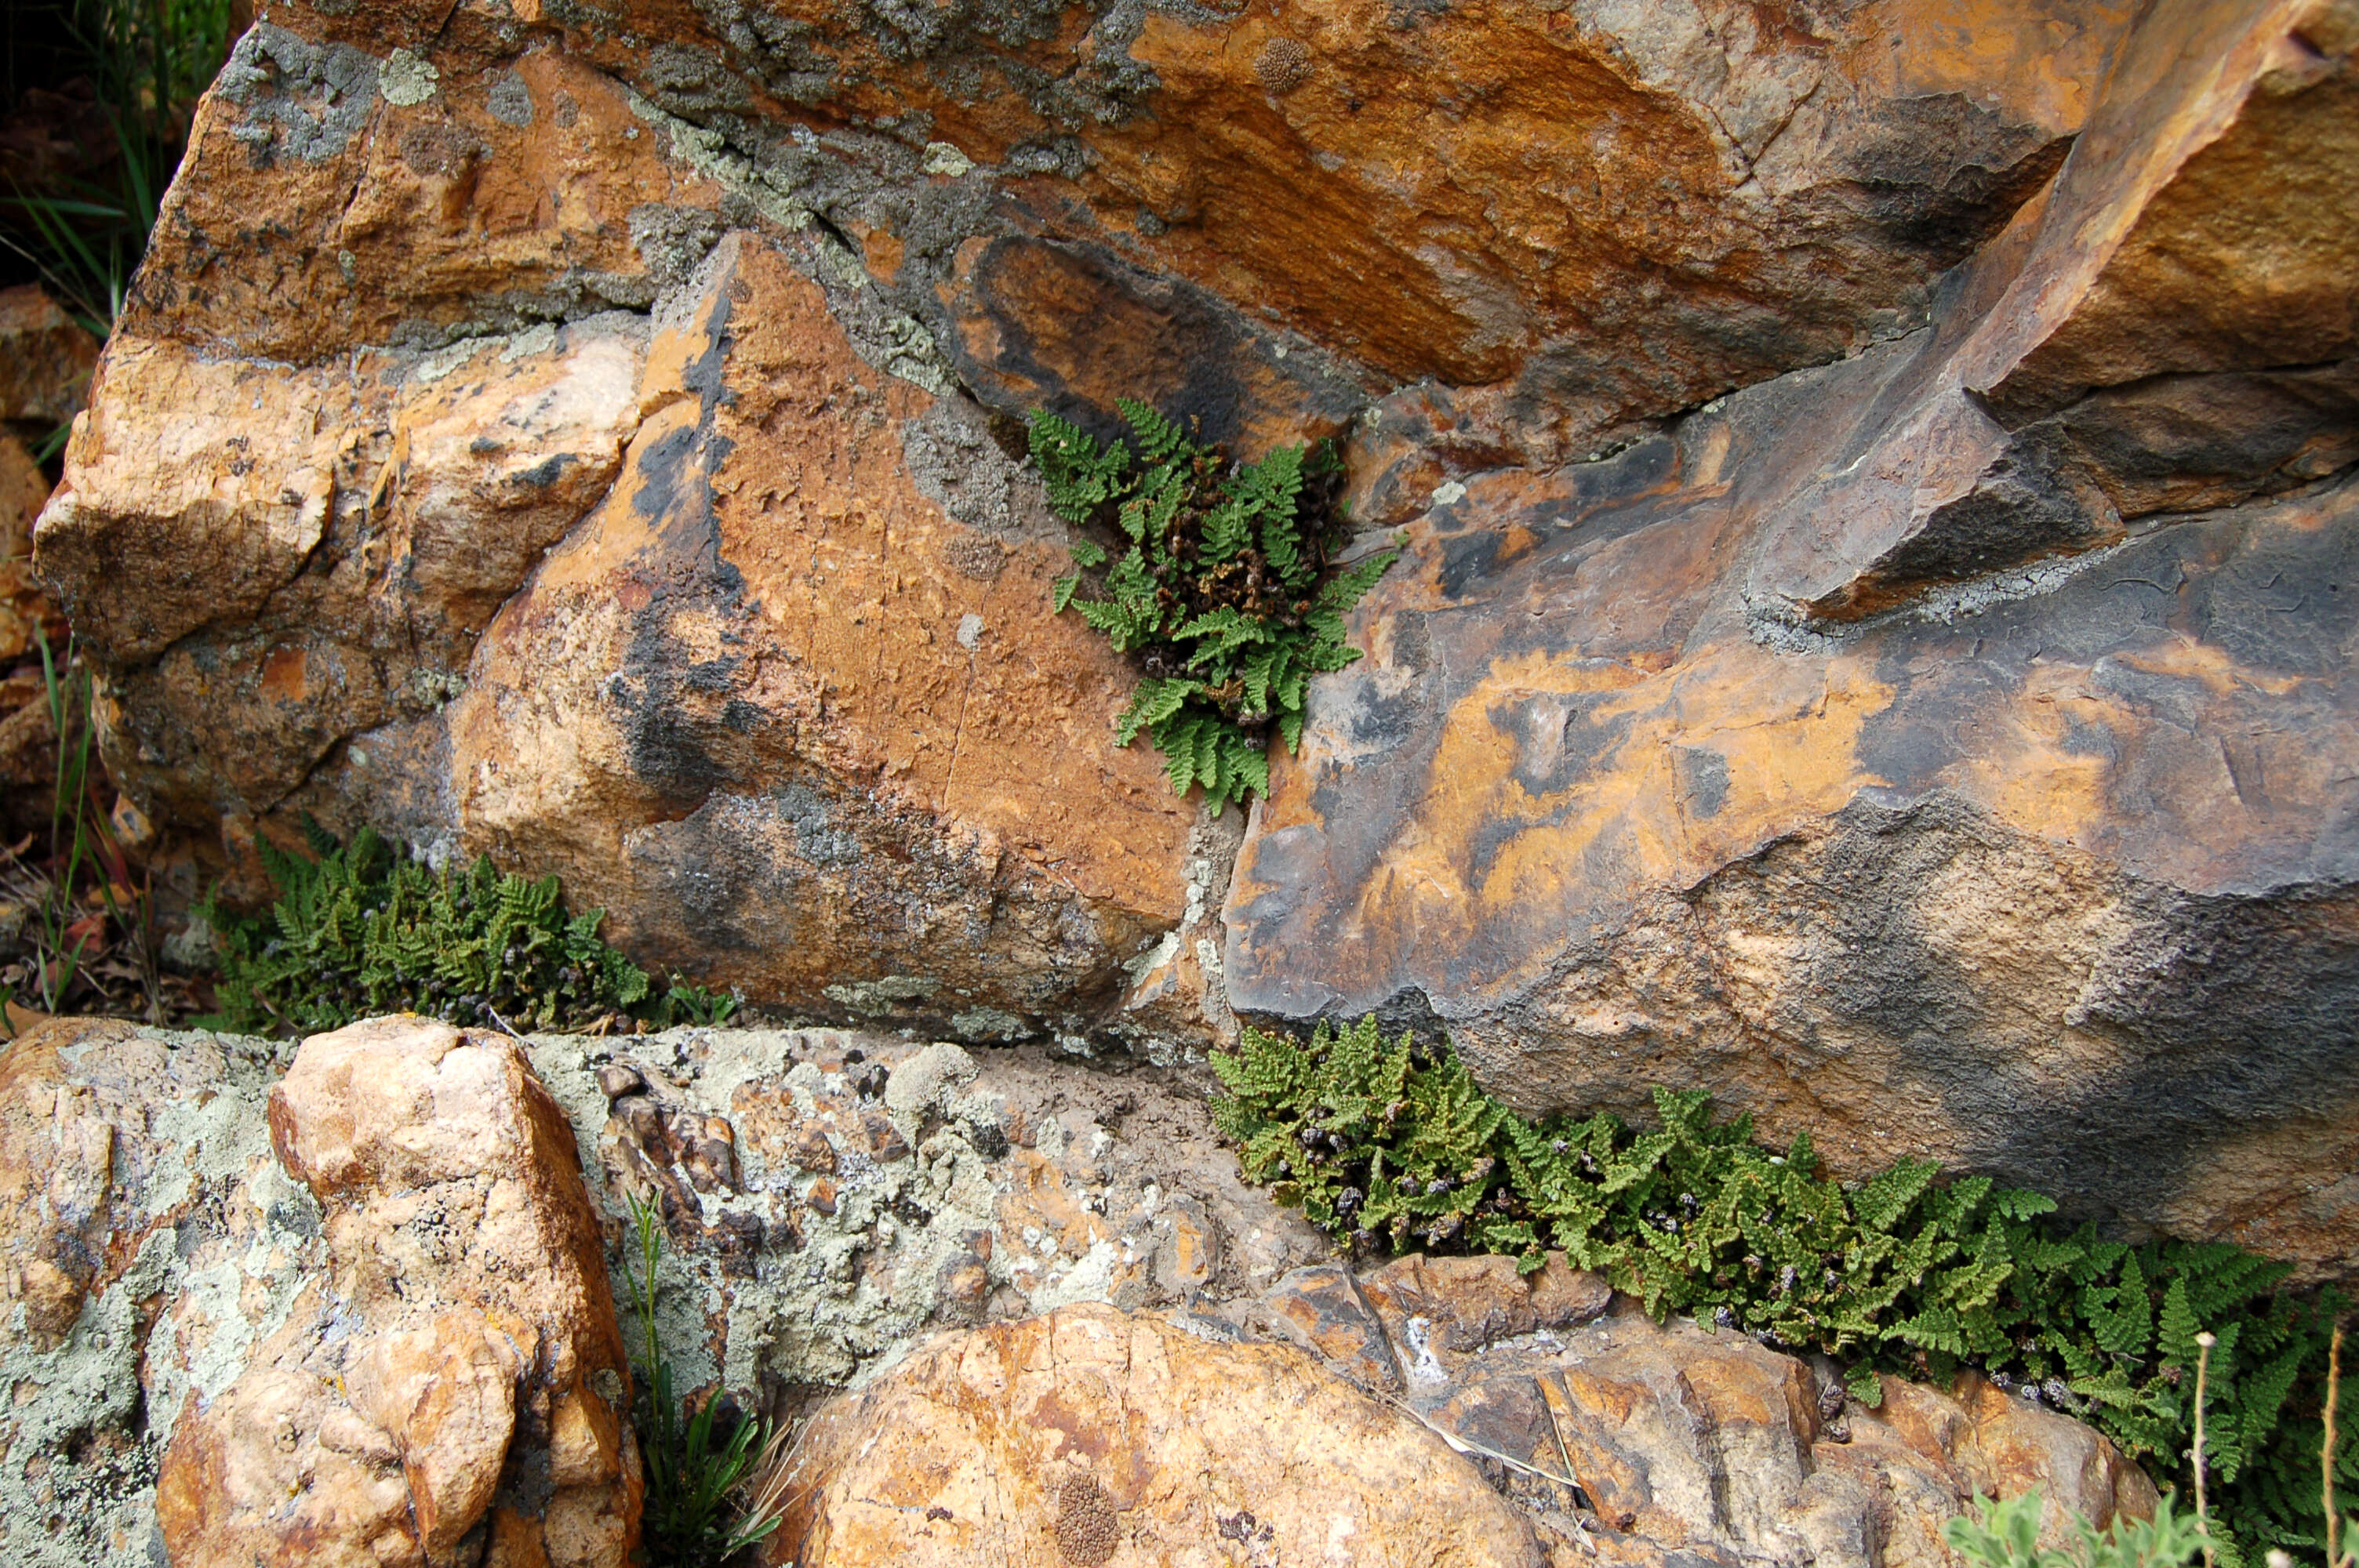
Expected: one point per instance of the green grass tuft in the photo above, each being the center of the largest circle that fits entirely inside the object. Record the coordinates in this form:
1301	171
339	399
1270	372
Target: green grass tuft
701	1463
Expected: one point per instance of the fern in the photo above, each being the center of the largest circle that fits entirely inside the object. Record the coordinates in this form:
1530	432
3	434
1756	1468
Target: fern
361	929
1395	1146
1219	577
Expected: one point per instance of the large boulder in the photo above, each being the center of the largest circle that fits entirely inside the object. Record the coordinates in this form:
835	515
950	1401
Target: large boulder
702	588
1945	752
581	437
1088	1437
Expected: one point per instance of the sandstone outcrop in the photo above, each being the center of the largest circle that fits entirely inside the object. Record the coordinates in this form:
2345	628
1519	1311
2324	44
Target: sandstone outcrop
1877	483
583	440
364	1317
1942	752
1088	1437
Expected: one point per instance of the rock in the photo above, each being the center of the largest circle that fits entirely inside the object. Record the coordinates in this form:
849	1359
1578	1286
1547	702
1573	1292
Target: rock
46	358
1090	1436
457	1379
152	1240
386	1339
737	707
980	1187
1625	1438
591	446
1821	752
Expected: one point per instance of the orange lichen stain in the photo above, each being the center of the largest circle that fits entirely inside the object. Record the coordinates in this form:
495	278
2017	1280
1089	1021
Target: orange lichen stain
1486	846
282	675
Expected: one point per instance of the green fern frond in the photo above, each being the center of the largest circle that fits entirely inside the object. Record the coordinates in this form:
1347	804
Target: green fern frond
1396	1146
1223	573
363	929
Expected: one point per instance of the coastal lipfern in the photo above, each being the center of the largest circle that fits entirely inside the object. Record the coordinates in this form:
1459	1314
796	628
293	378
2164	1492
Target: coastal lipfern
1393	1146
362	928
1218	575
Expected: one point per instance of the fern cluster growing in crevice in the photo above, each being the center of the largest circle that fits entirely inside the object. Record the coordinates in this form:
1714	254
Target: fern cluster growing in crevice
1396	1146
363	929
1223	586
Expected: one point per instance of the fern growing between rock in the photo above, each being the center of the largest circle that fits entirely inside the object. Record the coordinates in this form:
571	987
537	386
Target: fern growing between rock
1224	587
364	929
1395	1145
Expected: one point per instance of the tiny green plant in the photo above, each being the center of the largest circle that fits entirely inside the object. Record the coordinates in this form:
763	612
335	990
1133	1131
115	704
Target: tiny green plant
1224	584
1395	1145
150	61
89	917
694	1004
698	1462
362	928
2007	1535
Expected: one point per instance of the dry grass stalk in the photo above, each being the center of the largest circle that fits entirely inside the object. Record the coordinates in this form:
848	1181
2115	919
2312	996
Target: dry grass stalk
2203	1343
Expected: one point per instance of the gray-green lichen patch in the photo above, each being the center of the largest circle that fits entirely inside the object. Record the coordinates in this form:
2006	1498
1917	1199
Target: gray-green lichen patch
406	79
877	1188
300	98
208	1242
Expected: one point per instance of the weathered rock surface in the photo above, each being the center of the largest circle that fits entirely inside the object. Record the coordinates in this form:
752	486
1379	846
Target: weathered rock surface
1633	1440
829	1195
706	609
1922	751
582	437
152	1241
405	1351
455	1384
564	436
1091	1437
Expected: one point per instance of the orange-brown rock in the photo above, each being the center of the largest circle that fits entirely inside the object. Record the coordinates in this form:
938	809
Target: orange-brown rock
456	1381
45	358
1826	753
1634	1440
1091	1437
721	606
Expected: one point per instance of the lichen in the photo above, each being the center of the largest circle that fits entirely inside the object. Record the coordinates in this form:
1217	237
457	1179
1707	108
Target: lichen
1283	65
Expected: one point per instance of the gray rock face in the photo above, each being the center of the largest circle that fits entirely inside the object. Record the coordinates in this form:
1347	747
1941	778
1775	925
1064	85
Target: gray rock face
1941	770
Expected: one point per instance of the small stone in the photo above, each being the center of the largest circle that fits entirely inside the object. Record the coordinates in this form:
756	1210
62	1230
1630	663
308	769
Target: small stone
811	1150
615	1080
